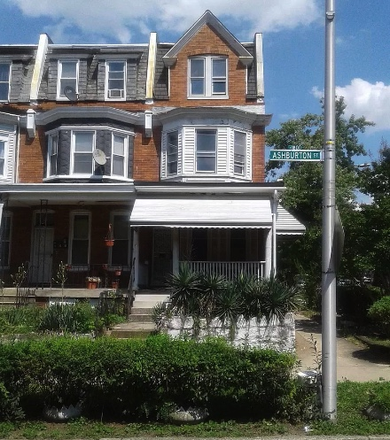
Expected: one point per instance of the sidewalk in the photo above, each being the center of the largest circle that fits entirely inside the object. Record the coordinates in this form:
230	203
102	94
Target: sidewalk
354	362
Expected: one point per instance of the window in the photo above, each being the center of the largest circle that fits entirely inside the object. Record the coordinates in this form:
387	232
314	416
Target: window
206	150
119	155
239	152
5	69
53	155
121	230
80	239
172	148
2	157
83	145
115	80
67	77
208	77
5	240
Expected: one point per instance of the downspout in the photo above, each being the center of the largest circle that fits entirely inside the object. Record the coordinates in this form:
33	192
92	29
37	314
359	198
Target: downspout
274	202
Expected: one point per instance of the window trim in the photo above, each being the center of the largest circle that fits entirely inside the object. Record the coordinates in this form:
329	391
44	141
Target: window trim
107	90
206	153
73	151
73	214
50	155
174	154
125	154
243	162
5	140
9	64
208	78
60	78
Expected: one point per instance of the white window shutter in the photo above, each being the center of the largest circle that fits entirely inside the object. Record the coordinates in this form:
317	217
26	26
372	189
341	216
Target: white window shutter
248	157
222	150
164	156
188	148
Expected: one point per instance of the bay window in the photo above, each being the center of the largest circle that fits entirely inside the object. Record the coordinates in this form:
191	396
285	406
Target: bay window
172	149
83	146
239	152
206	150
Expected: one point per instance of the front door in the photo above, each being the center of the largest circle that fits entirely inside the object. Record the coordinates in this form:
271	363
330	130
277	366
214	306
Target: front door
162	256
42	255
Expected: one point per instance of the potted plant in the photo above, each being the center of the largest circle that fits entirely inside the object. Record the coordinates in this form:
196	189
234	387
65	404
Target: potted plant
109	239
92	282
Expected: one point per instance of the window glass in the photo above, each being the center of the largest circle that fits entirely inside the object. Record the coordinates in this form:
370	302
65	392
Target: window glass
83	146
205	150
120	250
237	245
67	76
118	158
2	157
53	154
116	71
80	239
5	240
172	149
197	77
4	81
239	152
208	76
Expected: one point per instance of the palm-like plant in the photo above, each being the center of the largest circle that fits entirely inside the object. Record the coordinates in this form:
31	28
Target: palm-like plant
229	308
211	287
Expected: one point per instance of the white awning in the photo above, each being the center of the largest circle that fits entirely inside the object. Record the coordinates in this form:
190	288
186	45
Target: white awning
202	213
287	224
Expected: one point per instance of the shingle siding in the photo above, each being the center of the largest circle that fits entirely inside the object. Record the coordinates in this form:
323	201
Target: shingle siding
251	78
161	78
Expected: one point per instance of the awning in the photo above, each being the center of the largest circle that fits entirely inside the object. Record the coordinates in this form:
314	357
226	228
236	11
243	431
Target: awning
212	213
201	213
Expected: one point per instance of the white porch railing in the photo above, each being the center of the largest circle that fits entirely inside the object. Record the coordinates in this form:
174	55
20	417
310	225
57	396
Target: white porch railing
228	269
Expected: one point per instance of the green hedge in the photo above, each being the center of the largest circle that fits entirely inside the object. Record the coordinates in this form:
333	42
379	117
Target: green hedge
136	379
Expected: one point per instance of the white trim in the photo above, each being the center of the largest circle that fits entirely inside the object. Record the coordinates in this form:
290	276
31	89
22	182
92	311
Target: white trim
73	151
125	155
91	127
106	88
60	77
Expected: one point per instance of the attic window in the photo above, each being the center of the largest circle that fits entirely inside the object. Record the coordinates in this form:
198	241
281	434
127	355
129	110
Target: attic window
4	81
207	77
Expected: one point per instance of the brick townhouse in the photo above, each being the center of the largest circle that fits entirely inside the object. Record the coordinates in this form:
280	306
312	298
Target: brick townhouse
158	146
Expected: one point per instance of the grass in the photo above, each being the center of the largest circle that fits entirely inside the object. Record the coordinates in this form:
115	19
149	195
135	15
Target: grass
353	399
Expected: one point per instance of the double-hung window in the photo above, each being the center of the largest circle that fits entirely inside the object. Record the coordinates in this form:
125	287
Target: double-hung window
206	150
2	157
68	72
172	152
239	152
53	154
207	77
80	239
121	231
119	154
5	69
83	143
116	80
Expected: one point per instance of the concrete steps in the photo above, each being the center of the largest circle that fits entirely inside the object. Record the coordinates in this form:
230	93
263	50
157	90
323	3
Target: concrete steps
140	323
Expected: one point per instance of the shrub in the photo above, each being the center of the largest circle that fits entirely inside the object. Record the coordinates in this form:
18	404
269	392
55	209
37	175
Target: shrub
379	313
77	318
135	379
19	319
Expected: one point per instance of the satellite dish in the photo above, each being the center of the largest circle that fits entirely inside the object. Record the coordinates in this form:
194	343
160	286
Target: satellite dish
99	156
70	93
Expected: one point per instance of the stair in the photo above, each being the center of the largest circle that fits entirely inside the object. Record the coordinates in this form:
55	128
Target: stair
140	324
9	298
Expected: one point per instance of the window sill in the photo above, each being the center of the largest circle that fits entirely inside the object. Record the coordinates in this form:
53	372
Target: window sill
216	97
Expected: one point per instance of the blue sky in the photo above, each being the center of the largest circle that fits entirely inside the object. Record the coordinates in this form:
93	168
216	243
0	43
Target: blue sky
293	32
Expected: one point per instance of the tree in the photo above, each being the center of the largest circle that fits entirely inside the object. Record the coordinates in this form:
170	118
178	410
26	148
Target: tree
304	182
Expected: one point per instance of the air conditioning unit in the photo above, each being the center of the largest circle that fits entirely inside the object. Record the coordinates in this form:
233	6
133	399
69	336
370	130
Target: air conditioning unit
115	93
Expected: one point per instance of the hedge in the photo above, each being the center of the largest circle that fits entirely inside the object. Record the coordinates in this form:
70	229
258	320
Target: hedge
137	379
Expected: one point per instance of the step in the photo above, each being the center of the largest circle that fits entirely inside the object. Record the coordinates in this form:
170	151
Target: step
151	298
140	318
132	330
141	310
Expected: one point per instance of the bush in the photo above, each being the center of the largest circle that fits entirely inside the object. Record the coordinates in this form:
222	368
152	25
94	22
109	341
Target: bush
135	379
77	318
379	313
19	319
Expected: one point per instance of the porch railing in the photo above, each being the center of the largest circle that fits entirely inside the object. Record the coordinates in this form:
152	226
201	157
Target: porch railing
228	269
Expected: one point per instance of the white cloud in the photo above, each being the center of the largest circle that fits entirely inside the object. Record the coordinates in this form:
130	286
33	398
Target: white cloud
120	19
365	99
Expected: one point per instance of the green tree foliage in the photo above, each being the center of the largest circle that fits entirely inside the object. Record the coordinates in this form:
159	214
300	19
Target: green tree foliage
304	183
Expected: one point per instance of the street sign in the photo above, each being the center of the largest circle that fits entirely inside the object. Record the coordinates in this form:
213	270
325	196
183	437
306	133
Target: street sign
296	155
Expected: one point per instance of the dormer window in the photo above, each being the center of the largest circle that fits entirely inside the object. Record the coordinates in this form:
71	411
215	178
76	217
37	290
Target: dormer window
207	77
5	69
68	72
116	80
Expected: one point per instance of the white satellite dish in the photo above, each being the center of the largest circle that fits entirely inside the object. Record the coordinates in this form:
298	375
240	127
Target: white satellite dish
70	93
99	156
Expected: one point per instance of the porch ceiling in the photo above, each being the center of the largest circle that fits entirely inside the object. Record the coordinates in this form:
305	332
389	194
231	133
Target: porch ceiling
201	213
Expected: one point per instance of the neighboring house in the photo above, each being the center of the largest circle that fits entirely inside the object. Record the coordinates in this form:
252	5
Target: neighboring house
160	145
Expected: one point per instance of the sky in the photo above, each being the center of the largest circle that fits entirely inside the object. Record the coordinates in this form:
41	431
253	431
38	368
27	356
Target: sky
293	39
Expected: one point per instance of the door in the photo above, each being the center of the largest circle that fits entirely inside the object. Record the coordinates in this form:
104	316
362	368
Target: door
162	256
42	255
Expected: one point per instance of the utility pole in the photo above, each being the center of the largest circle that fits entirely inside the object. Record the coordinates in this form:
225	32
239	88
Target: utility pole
329	343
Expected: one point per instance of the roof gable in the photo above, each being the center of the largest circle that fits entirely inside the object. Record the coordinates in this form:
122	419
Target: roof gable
208	18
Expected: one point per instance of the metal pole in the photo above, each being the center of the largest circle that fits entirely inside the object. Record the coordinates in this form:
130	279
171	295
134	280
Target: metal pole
329	344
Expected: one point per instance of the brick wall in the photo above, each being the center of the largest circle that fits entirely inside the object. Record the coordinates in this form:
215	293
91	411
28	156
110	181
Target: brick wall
147	156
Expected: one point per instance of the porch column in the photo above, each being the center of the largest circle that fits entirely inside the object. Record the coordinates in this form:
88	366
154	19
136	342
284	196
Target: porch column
274	203
135	259
175	251
268	254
